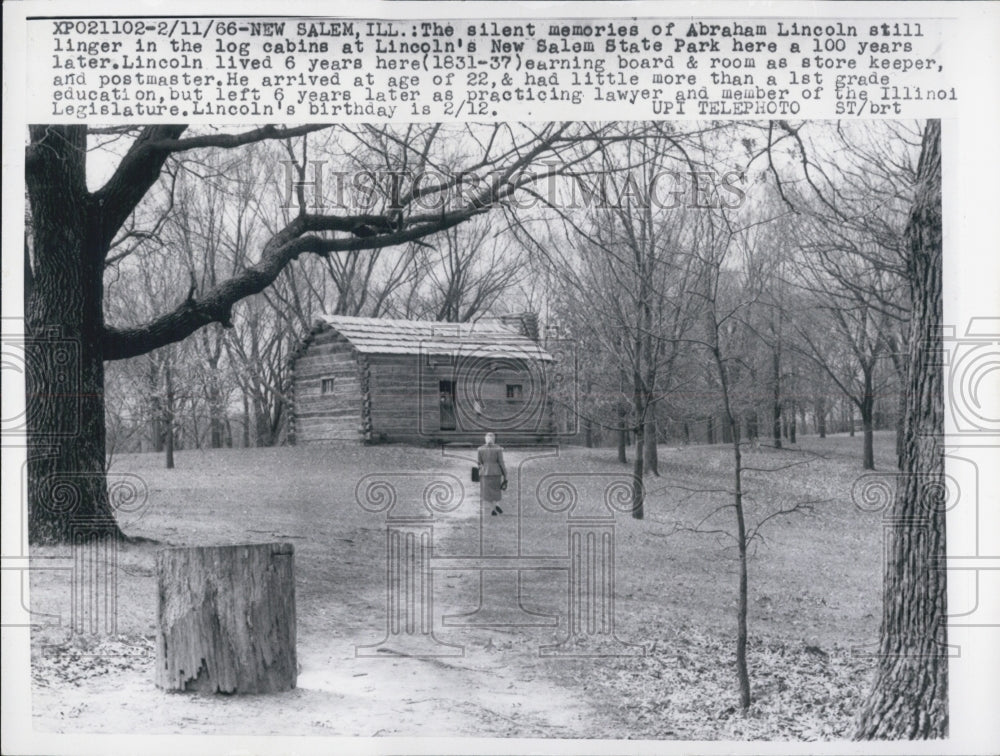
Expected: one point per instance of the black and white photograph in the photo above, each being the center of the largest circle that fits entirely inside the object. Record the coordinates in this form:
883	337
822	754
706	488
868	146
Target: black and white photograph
469	433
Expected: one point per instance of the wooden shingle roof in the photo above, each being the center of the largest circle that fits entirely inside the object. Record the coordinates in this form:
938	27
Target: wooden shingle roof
481	339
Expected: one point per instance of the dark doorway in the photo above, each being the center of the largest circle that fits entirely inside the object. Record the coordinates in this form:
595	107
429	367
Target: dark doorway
446	390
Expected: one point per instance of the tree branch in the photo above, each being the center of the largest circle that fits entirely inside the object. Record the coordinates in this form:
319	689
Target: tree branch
216	304
142	164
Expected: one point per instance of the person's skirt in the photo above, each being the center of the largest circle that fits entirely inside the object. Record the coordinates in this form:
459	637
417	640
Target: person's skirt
489	487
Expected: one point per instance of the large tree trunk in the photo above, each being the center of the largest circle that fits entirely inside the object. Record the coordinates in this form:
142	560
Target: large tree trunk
909	698
63	352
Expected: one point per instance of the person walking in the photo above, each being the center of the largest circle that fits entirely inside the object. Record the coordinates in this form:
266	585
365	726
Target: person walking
492	473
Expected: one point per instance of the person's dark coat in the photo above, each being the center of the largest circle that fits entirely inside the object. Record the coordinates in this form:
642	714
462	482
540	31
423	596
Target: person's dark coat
492	472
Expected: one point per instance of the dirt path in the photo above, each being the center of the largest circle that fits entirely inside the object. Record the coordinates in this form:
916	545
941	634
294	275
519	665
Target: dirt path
492	689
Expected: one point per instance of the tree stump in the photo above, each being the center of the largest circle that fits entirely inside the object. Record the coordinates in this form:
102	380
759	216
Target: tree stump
226	619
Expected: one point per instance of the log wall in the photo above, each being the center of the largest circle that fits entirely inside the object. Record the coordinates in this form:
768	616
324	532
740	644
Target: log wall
405	399
327	417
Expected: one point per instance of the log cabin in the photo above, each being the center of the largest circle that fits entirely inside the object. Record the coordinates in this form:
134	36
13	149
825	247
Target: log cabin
376	380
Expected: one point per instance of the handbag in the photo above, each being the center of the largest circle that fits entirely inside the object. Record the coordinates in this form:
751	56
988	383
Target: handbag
503	485
475	473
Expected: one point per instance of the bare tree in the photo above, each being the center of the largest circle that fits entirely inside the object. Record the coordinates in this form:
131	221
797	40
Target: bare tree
627	268
730	283
851	358
466	269
852	187
258	348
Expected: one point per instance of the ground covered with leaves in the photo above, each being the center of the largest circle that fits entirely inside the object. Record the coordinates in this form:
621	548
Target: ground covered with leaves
813	589
683	688
82	658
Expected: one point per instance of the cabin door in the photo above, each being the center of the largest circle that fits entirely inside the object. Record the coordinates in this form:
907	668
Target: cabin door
446	390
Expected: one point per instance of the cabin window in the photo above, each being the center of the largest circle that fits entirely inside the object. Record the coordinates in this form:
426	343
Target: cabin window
326	386
514	391
440	360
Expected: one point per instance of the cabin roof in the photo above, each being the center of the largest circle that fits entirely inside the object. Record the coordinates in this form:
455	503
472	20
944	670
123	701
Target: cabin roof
483	338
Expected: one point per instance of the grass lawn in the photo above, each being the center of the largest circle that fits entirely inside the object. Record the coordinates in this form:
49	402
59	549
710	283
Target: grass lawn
814	594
